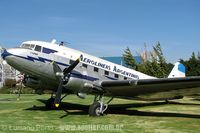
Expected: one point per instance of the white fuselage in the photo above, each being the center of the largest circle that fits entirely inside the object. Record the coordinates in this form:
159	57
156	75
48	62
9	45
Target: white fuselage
37	63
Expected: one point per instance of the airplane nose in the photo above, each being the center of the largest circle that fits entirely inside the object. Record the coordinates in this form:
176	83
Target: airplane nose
4	54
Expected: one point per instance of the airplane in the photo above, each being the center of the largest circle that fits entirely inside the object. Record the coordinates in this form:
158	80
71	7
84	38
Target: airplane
69	71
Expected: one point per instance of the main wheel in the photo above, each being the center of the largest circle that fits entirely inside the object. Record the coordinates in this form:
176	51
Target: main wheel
94	109
50	103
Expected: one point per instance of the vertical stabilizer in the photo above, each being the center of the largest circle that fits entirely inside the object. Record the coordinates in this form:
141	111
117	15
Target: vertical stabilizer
177	71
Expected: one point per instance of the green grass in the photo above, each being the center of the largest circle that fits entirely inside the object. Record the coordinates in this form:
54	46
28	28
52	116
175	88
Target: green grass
29	115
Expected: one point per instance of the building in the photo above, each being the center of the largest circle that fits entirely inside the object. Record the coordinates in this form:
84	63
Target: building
7	74
119	60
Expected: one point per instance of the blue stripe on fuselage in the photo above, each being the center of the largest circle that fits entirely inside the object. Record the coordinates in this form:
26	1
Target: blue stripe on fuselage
73	74
110	78
76	75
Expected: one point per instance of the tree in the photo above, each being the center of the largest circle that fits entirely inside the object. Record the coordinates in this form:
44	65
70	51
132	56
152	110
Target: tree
156	66
129	59
159	61
198	55
192	65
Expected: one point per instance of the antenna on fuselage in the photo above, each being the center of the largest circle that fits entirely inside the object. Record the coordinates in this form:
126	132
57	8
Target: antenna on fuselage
62	43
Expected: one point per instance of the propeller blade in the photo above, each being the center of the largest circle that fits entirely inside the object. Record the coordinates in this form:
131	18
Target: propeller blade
58	94
72	66
57	69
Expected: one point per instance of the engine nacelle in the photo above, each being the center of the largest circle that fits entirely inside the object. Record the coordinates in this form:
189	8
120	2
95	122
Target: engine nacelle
31	82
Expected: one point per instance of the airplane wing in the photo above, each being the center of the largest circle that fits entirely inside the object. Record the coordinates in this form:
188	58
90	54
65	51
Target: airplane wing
152	88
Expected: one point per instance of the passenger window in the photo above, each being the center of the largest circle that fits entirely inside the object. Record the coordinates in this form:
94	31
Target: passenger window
96	69
48	51
38	48
84	65
125	78
106	73
116	76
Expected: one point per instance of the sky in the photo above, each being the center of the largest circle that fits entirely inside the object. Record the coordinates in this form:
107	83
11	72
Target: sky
105	27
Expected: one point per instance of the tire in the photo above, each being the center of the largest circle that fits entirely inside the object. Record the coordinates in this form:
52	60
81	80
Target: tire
94	109
50	103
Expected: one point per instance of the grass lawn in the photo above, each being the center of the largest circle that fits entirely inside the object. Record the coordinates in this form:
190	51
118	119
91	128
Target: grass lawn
29	115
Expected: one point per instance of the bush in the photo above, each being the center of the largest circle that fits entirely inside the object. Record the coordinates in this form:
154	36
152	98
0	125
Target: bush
14	90
5	90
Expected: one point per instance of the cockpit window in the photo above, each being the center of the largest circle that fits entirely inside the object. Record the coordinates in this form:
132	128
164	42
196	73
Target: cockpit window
32	46
38	48
28	46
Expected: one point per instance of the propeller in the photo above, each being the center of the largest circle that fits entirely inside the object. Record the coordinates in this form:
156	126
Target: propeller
63	77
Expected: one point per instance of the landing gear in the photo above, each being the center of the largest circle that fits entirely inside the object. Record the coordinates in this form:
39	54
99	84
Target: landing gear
50	103
98	107
166	101
95	109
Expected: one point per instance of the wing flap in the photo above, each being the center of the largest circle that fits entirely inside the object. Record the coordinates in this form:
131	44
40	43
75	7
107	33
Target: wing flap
135	88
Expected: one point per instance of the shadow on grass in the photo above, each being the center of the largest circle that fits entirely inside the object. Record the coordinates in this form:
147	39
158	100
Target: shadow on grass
196	99
120	109
177	103
8	99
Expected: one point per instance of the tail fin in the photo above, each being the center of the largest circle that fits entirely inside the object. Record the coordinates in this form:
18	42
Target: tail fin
177	71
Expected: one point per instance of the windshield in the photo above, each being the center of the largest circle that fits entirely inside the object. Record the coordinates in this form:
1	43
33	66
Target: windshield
28	46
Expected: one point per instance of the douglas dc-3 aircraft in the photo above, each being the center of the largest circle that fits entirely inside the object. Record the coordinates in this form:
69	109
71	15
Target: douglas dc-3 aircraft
65	70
